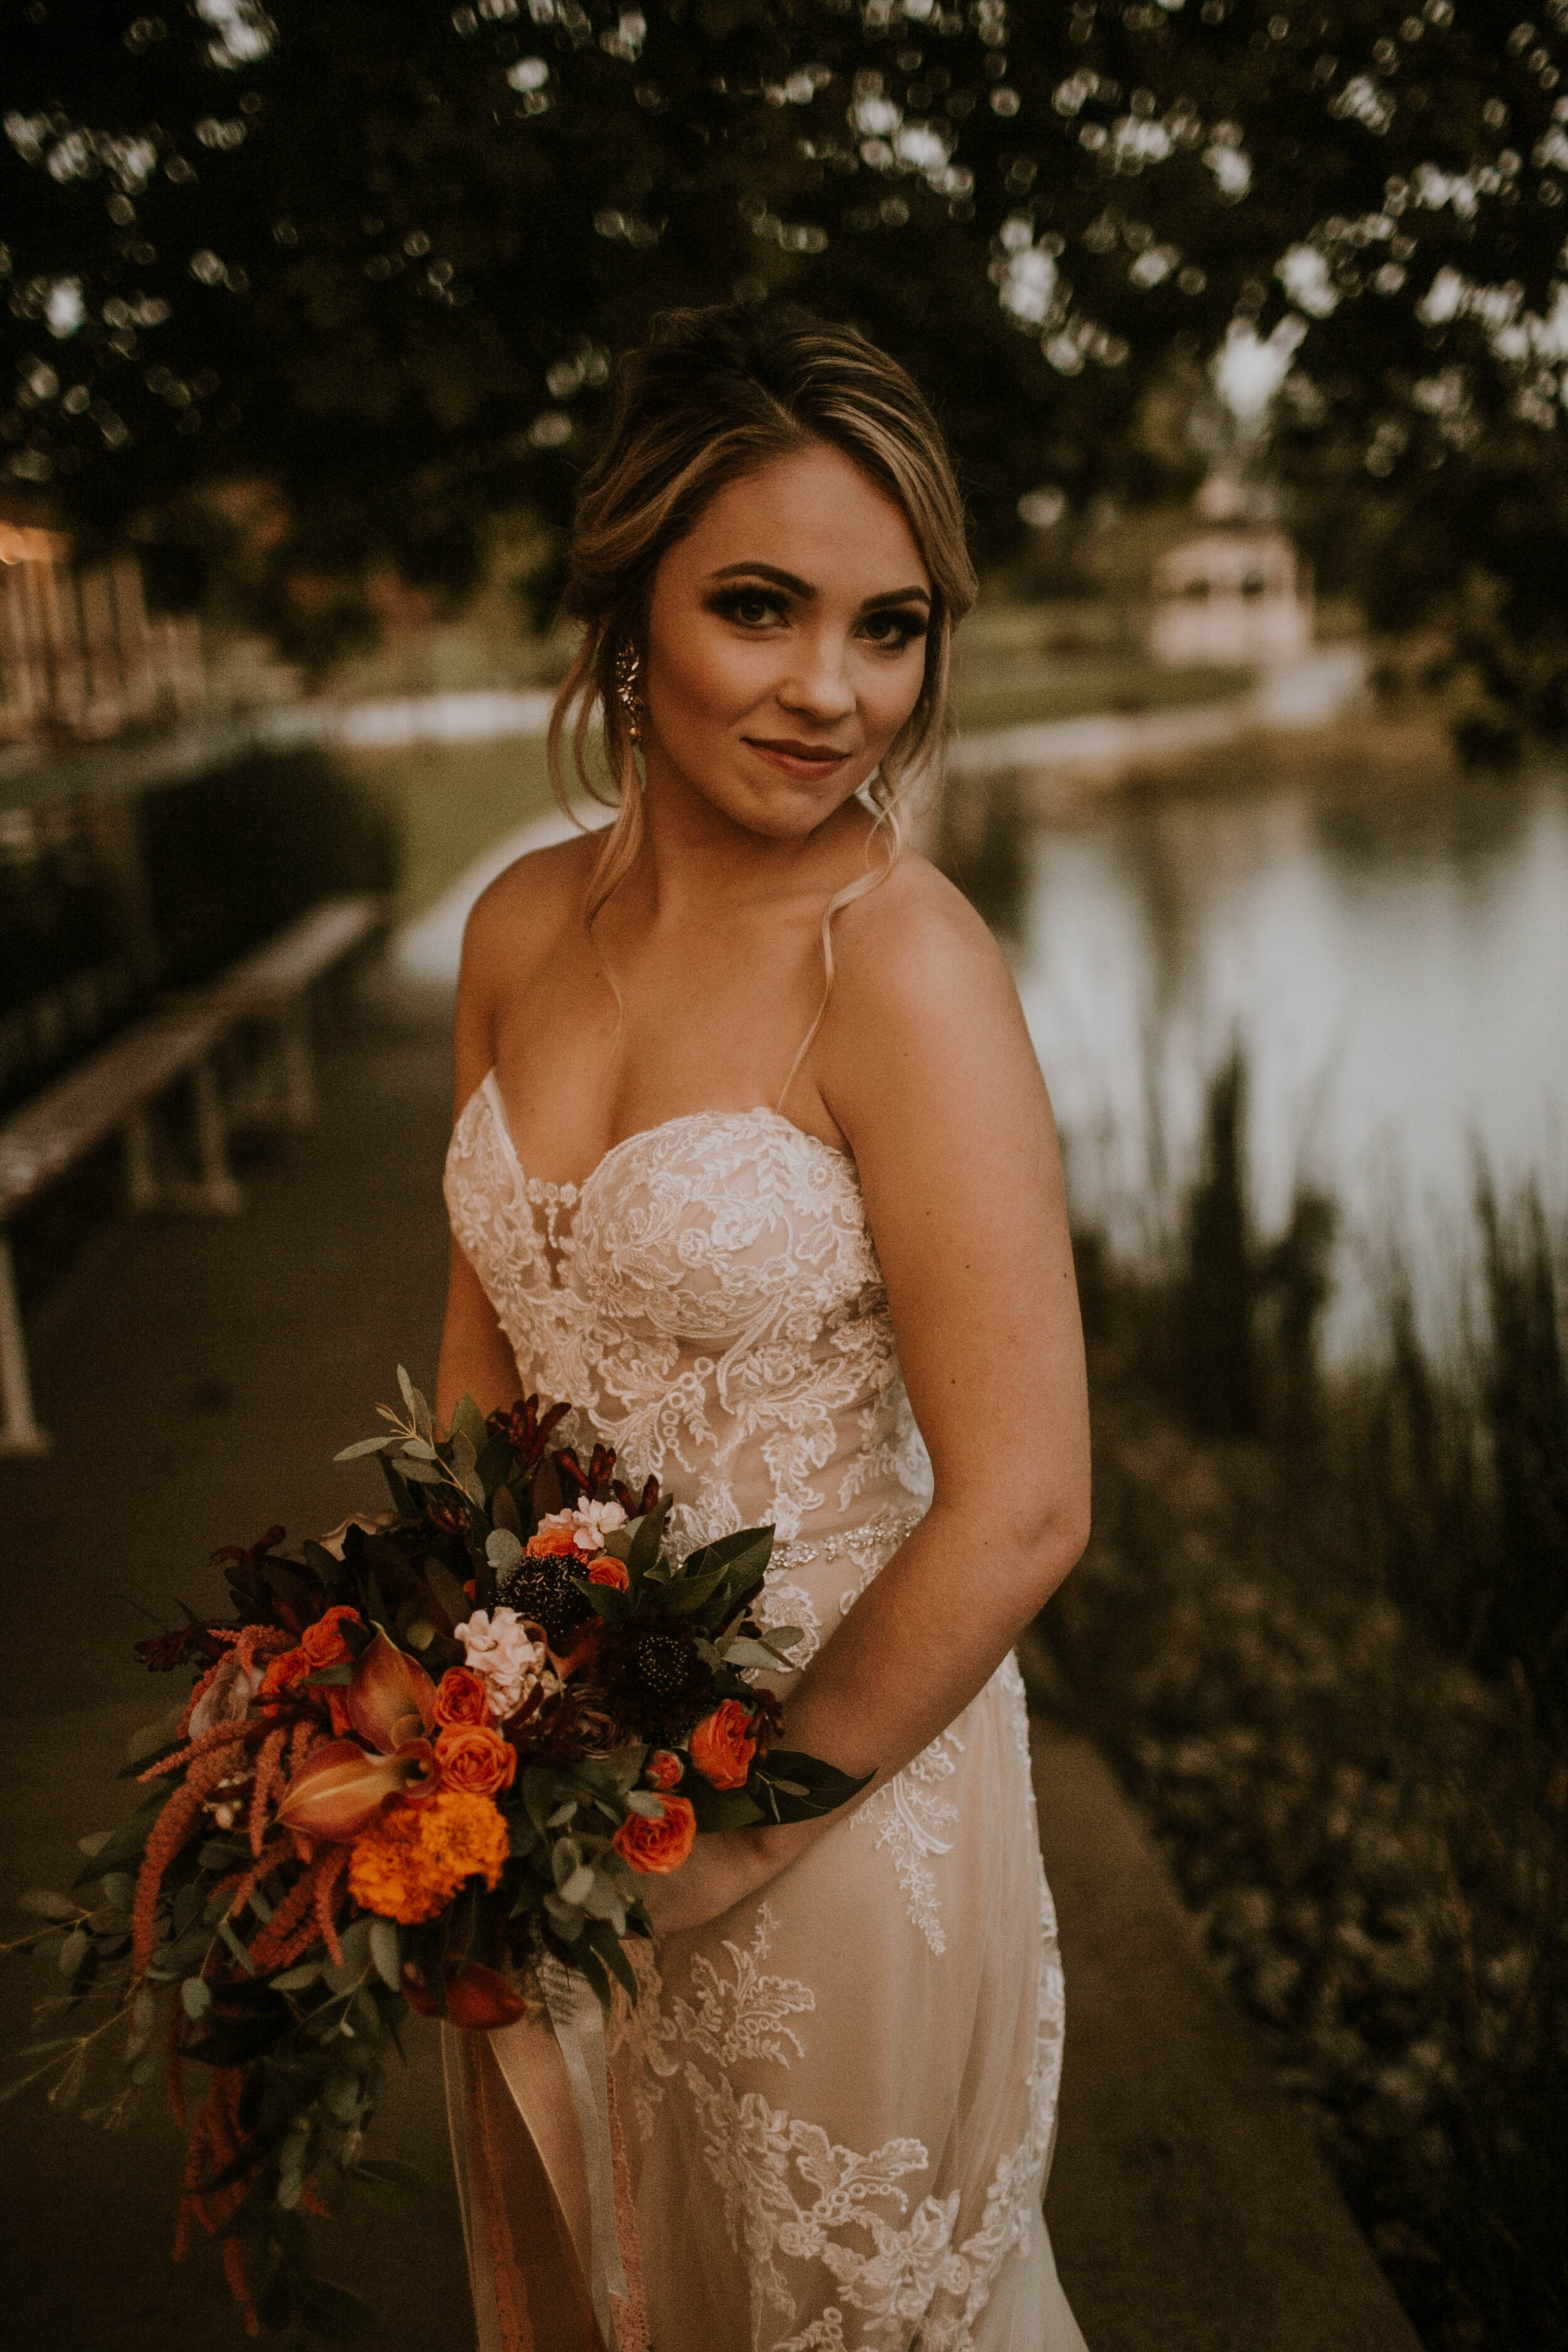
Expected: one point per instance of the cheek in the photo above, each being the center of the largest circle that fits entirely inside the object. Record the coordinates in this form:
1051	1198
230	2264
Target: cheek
704	678
889	695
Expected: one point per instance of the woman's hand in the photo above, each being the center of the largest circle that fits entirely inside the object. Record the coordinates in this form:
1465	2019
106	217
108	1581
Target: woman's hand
724	1867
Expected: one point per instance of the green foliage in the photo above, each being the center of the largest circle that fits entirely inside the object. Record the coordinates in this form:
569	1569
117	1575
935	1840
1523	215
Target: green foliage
379	254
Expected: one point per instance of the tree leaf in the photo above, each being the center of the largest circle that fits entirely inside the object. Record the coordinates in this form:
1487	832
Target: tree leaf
361	1447
502	1550
196	1996
74	1950
93	1843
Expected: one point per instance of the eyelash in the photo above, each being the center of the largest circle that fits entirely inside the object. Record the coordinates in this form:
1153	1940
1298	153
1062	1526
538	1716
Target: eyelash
904	627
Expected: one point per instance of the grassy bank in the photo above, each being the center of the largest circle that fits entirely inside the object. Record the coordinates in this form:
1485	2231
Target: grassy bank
990	694
446	804
1321	1631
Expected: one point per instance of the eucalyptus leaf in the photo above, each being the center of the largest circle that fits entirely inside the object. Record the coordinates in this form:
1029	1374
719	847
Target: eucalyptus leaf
74	1950
385	1954
236	1948
643	1801
417	1449
422	1474
71	2084
146	1742
567	1921
579	1886
44	1904
92	1845
409	1393
744	1653
196	1996
502	1550
361	1447
469	1422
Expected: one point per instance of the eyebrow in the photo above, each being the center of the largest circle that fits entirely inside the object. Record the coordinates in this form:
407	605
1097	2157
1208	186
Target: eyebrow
807	592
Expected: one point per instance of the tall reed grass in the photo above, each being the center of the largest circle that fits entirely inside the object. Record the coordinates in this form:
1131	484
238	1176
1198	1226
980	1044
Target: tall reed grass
1323	1629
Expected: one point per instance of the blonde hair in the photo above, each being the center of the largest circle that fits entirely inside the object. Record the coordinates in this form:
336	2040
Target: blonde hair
712	395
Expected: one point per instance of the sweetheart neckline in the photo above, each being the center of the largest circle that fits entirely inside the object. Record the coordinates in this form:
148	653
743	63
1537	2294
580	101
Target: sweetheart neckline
489	1088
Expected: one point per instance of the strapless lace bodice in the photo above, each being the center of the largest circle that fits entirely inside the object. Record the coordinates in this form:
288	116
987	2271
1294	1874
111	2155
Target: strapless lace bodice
710	1300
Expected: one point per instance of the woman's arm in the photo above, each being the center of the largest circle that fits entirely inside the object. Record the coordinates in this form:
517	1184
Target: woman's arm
476	1356
928	1069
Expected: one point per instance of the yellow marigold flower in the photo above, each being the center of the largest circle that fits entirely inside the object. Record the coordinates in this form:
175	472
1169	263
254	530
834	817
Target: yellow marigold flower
411	1861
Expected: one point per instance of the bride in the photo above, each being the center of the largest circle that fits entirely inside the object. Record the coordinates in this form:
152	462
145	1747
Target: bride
754	1164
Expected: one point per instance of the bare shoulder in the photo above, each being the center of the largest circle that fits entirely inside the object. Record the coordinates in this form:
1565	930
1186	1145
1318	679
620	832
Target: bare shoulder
914	948
923	1011
518	916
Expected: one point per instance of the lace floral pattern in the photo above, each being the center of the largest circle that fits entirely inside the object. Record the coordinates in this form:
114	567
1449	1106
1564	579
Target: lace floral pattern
710	1298
867	2089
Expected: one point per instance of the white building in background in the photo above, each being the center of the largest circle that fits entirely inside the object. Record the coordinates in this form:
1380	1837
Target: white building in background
1237	595
1236	592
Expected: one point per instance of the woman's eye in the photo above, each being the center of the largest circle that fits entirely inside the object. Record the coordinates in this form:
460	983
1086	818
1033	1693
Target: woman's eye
895	630
754	608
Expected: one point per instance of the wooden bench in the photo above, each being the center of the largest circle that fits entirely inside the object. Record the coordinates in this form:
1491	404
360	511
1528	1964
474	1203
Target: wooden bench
115	1091
111	1093
271	989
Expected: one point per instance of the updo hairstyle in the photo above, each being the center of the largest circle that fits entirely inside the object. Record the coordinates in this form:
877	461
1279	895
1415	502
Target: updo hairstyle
712	395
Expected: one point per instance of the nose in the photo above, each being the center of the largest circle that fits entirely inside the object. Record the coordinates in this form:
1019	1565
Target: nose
818	684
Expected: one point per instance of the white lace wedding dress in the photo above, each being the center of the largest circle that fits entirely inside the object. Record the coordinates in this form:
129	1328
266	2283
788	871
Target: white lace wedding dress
845	2092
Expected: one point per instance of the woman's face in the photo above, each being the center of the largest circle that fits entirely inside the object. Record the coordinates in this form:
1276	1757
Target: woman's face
785	643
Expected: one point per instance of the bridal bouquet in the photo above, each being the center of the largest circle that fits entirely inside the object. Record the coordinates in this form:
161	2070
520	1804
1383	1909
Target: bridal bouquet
427	1764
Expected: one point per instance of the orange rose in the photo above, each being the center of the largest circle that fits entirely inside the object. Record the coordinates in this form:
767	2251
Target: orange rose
664	1770
723	1745
662	1845
551	1543
461	1698
324	1644
606	1569
282	1675
474	1758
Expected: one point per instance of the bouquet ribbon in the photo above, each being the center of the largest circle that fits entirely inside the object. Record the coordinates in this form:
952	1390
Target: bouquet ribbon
544	2180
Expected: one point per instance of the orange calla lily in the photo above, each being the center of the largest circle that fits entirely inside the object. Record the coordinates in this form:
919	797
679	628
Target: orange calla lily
338	1787
477	1998
391	1698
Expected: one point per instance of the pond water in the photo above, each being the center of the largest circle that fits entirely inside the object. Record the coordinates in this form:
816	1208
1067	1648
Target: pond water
1391	955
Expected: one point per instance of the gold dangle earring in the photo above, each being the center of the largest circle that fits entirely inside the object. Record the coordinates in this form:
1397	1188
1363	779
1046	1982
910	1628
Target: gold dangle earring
628	669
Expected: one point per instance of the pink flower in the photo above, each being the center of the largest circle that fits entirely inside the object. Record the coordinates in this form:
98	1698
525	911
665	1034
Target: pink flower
508	1654
587	1525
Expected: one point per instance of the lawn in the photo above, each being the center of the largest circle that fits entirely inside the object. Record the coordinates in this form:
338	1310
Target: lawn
992	694
447	803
